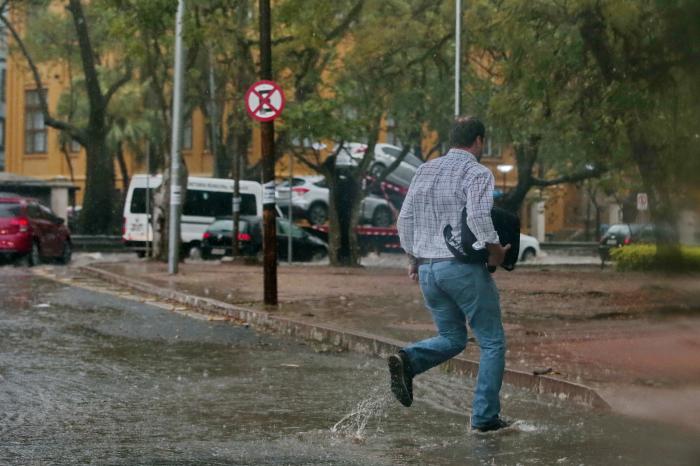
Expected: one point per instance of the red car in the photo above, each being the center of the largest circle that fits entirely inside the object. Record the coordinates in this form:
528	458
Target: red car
30	231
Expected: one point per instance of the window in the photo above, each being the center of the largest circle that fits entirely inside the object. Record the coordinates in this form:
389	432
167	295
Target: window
187	133
74	146
409	158
216	204
138	201
8	210
302	142
200	203
33	211
491	148
46	213
3	78
34	127
295	182
391	136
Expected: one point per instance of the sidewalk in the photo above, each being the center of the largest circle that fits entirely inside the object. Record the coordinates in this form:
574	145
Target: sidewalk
634	338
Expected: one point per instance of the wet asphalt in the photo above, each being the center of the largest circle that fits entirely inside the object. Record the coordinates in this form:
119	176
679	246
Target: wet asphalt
91	378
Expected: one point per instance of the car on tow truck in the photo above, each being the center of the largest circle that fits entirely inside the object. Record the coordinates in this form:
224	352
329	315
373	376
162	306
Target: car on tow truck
309	198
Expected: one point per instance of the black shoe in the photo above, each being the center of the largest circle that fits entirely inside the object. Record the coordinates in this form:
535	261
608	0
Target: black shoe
498	424
401	378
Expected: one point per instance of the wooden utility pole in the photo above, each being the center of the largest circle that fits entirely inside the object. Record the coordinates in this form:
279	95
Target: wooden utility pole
267	130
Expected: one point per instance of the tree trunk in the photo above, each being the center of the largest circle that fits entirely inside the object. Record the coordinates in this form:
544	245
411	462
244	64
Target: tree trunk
97	215
661	204
161	210
526	156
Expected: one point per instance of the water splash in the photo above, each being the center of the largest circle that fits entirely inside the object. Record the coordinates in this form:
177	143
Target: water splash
354	424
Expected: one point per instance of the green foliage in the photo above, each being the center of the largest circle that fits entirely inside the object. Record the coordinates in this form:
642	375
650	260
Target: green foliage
644	257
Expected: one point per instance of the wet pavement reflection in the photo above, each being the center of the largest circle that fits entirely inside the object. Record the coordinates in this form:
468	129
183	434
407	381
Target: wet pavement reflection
91	378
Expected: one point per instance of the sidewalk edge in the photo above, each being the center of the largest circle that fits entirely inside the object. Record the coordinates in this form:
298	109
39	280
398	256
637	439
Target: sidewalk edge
356	341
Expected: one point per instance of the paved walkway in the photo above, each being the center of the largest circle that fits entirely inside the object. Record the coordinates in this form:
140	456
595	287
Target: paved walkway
635	338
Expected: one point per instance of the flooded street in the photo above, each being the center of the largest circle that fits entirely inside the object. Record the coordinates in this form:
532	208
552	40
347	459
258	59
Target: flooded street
92	378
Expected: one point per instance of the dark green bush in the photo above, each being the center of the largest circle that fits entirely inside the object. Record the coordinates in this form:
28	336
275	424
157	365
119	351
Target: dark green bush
643	257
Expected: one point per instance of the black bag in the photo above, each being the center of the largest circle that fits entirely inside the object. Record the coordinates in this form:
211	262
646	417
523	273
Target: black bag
507	226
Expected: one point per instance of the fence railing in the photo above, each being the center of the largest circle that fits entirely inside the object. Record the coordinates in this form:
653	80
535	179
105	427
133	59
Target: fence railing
97	243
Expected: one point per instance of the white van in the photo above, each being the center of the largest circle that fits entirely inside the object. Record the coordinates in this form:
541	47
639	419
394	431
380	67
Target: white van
206	199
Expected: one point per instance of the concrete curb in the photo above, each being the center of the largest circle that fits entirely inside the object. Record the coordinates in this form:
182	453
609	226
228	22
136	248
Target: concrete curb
354	340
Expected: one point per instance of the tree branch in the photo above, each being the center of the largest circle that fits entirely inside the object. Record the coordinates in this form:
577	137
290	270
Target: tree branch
119	83
92	82
570	178
345	24
300	156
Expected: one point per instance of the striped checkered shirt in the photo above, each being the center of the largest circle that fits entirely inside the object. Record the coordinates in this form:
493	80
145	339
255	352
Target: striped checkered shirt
440	189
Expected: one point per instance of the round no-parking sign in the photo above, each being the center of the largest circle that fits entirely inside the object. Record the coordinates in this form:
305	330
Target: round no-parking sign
264	100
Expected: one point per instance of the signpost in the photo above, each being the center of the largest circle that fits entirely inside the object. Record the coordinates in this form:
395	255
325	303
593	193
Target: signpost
265	101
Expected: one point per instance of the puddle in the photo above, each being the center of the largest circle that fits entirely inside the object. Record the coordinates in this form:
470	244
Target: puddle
98	379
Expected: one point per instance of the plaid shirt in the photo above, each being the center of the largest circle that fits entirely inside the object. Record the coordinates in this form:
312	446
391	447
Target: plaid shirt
440	189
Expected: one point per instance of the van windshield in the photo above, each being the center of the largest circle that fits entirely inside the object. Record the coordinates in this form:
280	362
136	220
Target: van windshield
199	203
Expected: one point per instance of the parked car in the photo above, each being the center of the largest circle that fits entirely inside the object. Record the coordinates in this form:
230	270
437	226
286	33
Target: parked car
622	234
217	239
310	200
31	232
529	248
384	155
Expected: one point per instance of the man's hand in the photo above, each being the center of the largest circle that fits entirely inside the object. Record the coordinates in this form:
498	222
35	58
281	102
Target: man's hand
413	272
497	253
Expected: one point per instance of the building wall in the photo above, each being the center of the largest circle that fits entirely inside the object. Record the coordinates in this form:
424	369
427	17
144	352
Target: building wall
3	96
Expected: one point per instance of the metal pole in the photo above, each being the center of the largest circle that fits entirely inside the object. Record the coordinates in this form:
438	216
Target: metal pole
148	198
213	118
267	130
458	54
236	249
291	219
175	189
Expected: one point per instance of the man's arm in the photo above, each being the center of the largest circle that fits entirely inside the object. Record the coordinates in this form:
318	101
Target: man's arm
405	226
479	192
479	204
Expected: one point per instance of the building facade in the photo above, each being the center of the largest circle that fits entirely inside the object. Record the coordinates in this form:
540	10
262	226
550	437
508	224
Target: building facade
3	94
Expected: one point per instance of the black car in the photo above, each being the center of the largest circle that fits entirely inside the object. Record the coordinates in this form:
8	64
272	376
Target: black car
623	234
217	239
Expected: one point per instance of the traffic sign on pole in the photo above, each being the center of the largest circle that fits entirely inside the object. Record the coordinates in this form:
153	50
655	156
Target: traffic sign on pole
642	201
265	100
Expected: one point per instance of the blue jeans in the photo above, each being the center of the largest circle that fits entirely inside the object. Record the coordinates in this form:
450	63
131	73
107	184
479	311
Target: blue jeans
457	293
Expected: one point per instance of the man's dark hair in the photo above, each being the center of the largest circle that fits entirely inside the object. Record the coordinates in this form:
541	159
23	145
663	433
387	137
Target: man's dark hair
465	130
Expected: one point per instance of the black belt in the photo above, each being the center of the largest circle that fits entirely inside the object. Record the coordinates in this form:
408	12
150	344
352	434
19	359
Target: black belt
422	261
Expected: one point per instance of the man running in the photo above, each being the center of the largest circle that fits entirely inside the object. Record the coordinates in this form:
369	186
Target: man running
455	293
